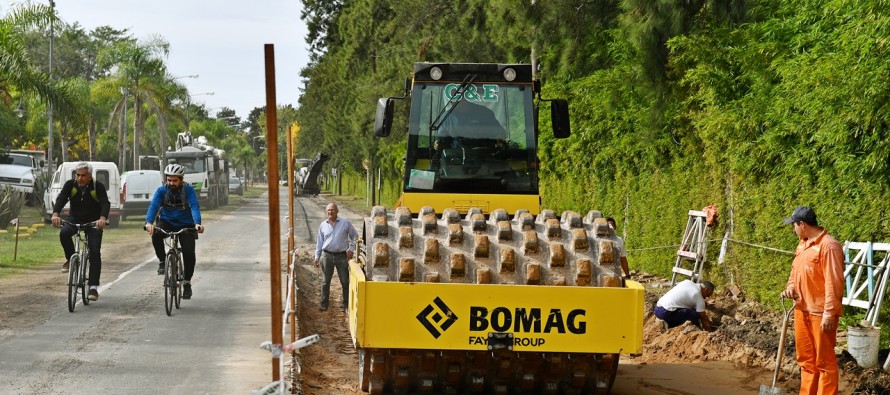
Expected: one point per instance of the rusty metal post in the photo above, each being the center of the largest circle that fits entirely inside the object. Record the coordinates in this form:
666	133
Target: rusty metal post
274	222
291	273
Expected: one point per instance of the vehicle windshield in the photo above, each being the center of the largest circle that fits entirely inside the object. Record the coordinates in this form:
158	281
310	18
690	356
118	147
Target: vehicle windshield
15	160
486	144
234	181
191	165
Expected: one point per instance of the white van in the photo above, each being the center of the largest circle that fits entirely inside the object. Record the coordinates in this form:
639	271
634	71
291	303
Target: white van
104	172
137	188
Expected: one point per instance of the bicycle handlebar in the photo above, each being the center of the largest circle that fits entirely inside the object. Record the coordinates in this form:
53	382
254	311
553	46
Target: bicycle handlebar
81	226
164	231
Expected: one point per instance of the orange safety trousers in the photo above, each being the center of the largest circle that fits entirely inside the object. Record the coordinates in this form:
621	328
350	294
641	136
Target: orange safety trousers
815	355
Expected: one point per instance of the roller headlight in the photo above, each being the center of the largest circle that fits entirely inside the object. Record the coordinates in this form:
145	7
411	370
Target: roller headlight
509	74
436	73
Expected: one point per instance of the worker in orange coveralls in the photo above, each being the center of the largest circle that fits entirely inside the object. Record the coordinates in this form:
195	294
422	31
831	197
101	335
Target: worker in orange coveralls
817	286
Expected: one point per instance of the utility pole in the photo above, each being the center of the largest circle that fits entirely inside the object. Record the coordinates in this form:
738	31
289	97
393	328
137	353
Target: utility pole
124	91
49	108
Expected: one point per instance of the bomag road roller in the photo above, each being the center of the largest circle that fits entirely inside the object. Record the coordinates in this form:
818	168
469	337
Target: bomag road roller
468	286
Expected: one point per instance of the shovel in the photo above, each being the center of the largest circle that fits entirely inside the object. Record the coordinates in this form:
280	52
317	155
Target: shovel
773	390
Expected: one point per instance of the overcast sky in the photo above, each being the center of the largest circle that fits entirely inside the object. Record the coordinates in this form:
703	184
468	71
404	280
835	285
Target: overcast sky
219	40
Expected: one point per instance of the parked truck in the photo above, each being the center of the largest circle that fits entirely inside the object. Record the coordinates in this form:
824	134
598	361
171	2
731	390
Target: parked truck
206	169
22	173
468	286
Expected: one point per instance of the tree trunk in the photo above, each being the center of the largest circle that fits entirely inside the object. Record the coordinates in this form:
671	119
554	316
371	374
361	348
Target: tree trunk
63	141
162	138
138	126
92	131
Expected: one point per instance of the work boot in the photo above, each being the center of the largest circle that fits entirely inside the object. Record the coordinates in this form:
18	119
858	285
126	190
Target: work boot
161	268
93	295
186	291
65	267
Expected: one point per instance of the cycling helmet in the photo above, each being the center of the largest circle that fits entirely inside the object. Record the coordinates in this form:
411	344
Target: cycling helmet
174	170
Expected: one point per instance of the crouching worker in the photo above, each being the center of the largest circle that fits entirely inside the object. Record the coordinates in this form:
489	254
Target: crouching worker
685	302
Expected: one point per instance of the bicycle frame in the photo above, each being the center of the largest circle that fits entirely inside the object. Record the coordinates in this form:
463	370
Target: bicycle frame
172	242
173	269
79	264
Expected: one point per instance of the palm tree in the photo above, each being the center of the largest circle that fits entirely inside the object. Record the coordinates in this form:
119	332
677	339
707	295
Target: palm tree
175	91
142	75
17	71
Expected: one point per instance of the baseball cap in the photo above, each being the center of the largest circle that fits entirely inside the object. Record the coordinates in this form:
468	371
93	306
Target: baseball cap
802	213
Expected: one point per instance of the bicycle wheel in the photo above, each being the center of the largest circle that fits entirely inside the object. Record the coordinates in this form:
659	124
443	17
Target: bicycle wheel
73	280
180	277
84	274
170	285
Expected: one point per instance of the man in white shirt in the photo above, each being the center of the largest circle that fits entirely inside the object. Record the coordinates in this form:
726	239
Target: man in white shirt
333	250
685	302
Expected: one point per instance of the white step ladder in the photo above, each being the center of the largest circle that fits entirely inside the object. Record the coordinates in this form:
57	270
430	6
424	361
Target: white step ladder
865	280
693	248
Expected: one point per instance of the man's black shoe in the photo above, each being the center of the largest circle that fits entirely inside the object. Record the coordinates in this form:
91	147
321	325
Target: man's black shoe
161	268
323	308
186	291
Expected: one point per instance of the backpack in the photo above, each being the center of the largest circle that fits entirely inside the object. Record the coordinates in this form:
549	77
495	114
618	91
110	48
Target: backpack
92	192
168	202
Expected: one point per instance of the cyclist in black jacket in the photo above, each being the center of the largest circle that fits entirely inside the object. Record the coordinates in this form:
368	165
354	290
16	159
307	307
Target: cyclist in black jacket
89	202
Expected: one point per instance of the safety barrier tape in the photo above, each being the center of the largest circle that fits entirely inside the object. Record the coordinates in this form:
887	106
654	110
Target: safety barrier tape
710	240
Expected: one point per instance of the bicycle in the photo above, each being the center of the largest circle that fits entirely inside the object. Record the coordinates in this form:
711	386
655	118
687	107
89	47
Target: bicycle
173	269
79	265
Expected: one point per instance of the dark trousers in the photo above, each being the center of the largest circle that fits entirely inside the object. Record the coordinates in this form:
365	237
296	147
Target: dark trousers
676	317
329	261
94	241
186	246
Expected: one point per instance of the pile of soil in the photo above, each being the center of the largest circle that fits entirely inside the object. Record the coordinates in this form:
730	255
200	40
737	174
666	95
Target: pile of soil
866	381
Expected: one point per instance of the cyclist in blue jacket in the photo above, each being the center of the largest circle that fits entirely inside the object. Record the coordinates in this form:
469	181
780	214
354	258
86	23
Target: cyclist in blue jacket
174	206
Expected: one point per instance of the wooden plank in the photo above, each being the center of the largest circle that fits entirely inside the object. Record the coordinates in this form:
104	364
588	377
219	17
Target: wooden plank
687	254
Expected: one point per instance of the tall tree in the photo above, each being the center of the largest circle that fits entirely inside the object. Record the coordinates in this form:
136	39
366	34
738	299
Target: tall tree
75	54
18	71
141	73
320	17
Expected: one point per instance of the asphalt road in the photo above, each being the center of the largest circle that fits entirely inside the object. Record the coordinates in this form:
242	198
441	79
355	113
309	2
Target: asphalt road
124	343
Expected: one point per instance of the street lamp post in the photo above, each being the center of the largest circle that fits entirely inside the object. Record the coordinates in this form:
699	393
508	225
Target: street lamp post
188	109
49	115
124	126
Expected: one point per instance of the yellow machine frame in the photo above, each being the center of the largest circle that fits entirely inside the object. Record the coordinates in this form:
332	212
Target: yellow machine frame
454	316
464	201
